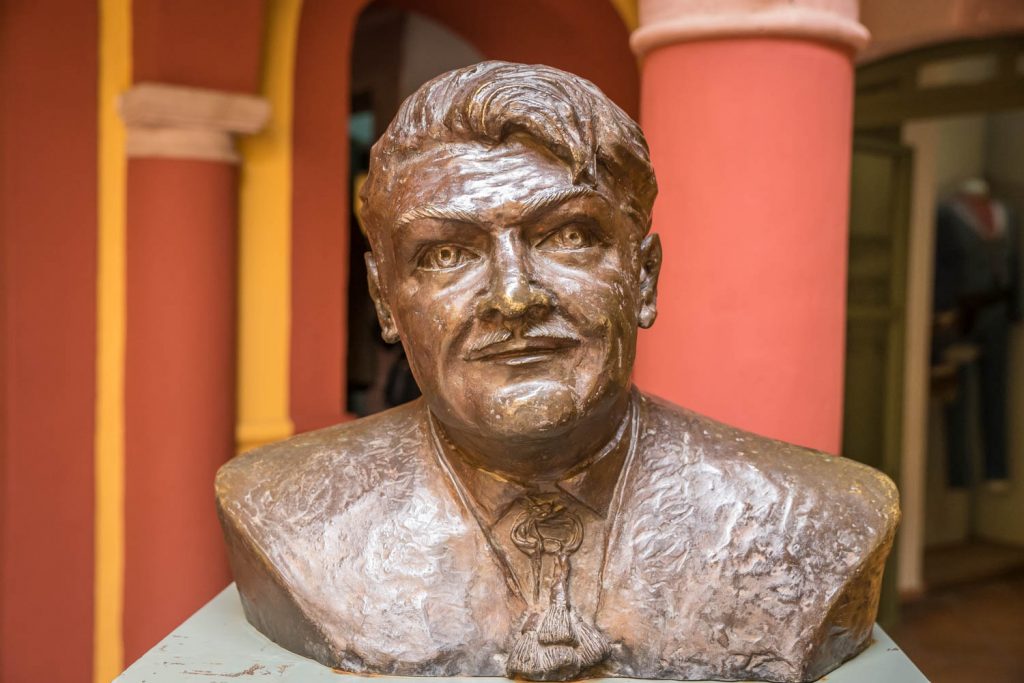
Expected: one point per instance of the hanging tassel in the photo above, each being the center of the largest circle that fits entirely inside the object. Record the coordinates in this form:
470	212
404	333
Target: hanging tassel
531	660
557	662
556	629
524	660
592	646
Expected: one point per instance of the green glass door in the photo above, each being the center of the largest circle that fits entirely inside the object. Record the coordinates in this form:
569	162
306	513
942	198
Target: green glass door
876	295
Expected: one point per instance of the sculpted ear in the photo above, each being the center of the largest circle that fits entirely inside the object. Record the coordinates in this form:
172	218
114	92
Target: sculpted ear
387	323
650	268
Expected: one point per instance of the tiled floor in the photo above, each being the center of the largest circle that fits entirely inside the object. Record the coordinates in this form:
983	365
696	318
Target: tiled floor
973	633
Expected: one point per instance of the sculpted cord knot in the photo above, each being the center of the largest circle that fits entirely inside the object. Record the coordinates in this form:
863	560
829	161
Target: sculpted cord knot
554	641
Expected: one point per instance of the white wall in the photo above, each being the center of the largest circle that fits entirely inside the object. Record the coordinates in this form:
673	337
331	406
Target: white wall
960	152
430	49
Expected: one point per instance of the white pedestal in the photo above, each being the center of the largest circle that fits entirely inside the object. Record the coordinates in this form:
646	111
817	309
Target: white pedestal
217	645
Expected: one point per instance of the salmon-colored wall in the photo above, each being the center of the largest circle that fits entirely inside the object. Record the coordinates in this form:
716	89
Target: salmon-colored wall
750	139
48	77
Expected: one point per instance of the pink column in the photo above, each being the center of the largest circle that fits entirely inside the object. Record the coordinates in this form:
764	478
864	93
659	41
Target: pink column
747	106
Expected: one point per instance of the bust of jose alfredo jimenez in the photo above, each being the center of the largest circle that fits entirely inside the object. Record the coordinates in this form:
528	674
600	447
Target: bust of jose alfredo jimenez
534	515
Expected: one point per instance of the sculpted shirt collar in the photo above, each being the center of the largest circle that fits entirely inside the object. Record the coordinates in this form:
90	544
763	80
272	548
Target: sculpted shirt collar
592	484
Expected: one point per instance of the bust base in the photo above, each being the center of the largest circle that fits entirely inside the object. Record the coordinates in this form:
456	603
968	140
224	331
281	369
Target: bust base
217	643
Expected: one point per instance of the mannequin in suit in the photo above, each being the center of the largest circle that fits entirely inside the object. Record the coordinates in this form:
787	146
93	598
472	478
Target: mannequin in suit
533	514
978	290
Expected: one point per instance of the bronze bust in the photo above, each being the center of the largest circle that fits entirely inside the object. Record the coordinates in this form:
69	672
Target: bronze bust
534	515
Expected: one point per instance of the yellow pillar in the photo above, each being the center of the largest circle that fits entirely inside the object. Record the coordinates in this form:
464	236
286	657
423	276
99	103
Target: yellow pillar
265	245
114	78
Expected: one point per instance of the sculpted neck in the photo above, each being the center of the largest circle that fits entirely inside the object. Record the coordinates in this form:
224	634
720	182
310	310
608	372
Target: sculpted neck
545	458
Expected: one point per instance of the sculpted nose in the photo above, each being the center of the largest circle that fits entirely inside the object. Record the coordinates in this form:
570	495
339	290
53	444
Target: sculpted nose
515	297
512	293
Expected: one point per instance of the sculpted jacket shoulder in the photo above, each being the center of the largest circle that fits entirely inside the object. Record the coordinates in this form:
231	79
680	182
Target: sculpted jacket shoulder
730	556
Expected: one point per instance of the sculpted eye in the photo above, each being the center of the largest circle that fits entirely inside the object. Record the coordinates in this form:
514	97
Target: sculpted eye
569	237
445	257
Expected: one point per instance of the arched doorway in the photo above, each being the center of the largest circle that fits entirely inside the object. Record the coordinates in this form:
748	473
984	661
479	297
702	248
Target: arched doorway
394	52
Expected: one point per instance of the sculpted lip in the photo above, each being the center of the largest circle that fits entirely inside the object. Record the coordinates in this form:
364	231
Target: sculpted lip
516	351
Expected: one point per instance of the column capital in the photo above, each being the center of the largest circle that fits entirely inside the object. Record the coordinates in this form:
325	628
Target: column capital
664	22
179	122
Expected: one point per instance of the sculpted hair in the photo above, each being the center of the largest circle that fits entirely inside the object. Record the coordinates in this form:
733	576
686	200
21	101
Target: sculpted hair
492	101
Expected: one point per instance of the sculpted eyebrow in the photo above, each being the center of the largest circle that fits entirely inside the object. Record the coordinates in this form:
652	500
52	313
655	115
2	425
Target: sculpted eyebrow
537	204
439	212
549	199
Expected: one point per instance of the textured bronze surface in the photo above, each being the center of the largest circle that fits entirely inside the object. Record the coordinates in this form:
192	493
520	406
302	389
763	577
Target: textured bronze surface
534	515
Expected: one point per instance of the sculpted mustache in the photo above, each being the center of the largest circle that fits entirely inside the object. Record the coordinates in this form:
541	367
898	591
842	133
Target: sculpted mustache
549	329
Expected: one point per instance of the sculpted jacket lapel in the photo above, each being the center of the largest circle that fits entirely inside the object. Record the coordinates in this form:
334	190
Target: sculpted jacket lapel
434	580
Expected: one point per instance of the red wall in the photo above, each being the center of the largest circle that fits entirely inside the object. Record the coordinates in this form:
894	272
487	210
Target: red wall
48	124
182	225
320	213
179	389
201	43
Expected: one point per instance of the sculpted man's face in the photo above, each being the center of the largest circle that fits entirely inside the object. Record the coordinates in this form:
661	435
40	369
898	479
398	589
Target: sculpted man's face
517	293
